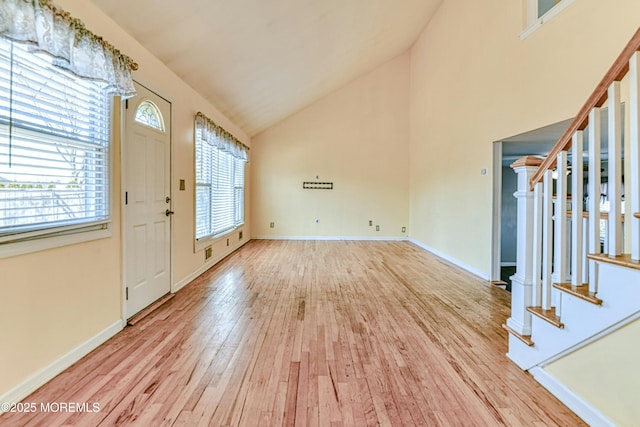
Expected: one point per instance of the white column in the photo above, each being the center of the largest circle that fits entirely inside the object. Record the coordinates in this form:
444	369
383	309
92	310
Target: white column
632	185
547	240
614	191
594	194
577	192
521	281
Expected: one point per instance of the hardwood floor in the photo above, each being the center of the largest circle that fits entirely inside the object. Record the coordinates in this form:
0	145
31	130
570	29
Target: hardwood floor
311	333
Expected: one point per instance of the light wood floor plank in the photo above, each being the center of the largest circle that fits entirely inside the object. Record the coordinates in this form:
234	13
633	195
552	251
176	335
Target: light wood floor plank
311	333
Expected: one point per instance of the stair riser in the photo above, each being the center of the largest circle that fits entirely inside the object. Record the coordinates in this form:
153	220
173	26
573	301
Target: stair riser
619	288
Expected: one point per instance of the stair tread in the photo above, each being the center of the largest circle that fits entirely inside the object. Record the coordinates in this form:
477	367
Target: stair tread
581	292
548	315
524	338
623	260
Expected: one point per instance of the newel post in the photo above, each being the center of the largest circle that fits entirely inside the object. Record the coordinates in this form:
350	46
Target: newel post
522	282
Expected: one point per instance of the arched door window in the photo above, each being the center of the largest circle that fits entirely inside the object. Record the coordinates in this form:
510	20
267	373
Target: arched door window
148	114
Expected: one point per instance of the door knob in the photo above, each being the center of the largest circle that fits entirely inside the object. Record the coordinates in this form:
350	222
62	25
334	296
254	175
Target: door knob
168	212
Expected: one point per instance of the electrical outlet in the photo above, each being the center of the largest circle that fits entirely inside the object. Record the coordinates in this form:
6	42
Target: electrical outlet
404	229
370	223
377	228
317	221
227	242
208	252
240	235
272	225
182	185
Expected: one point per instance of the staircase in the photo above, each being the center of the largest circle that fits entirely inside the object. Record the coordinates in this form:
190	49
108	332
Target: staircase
578	268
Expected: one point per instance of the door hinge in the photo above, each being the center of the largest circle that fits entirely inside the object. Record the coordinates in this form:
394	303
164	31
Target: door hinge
126	291
126	104
126	197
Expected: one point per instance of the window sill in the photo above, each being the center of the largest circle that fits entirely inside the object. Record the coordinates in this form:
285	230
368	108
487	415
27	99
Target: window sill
201	244
25	247
536	24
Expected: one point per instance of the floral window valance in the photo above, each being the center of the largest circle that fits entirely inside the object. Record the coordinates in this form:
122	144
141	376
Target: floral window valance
50	29
217	136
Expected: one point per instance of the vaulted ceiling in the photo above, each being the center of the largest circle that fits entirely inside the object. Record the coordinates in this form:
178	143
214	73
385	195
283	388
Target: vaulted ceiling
259	61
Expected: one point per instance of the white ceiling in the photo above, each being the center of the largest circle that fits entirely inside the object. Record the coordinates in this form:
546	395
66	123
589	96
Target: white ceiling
260	61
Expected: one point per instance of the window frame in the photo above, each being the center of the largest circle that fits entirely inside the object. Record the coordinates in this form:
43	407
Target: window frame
531	20
49	236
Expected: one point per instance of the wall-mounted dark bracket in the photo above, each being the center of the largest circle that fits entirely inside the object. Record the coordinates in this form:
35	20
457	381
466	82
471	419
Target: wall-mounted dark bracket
309	185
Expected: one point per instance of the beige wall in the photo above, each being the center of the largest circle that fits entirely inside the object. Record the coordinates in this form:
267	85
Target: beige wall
473	81
55	300
403	143
605	374
357	138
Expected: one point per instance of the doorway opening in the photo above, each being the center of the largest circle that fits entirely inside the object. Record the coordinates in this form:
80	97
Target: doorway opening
538	142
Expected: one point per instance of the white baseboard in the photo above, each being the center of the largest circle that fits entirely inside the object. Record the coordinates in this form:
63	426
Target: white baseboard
483	275
584	410
44	375
210	263
364	238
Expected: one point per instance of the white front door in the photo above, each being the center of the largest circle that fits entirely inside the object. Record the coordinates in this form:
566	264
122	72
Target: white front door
147	204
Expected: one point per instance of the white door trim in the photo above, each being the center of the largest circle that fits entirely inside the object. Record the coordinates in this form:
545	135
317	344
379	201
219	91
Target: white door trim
496	221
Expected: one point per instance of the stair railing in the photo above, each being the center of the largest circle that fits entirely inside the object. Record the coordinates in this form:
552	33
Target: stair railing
553	237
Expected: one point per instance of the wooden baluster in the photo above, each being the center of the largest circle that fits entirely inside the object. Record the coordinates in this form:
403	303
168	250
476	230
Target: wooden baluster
594	194
632	185
614	191
547	240
577	257
537	245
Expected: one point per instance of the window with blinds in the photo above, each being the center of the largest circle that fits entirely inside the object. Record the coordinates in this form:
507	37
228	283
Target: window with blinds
54	148
219	189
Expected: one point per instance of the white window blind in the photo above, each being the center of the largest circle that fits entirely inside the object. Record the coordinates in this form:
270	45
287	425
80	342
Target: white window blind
219	188
54	147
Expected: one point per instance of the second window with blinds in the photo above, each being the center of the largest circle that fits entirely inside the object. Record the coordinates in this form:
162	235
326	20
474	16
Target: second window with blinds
219	165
